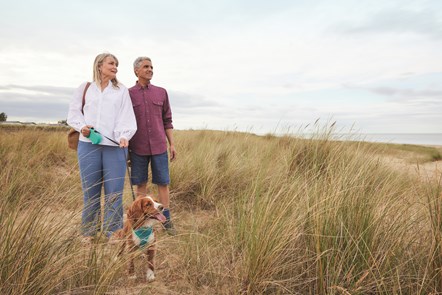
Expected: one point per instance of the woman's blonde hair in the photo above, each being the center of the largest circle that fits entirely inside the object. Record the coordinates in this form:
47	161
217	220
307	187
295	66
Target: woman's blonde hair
97	63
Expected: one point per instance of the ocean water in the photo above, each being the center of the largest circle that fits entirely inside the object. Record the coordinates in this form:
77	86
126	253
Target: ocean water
401	138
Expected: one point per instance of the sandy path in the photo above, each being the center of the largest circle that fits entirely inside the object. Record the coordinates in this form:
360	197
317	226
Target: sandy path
430	171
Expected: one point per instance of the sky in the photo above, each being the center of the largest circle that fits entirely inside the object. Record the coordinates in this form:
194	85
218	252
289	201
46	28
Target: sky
257	66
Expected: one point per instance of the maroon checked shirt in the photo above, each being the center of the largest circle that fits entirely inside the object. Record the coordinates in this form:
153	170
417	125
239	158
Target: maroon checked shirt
154	116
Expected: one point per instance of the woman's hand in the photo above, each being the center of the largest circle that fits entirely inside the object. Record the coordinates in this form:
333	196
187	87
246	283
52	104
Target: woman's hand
86	130
124	143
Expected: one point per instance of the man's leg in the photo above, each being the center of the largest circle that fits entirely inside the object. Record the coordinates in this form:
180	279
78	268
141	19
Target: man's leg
139	173
160	176
163	195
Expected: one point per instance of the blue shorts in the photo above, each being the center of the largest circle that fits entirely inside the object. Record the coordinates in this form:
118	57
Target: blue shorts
159	165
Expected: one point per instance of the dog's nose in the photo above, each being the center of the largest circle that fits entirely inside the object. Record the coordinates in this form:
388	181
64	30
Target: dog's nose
160	208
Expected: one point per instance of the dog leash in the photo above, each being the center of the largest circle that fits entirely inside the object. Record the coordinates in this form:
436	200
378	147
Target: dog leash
127	166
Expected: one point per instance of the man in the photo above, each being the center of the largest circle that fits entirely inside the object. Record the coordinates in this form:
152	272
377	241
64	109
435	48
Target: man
149	145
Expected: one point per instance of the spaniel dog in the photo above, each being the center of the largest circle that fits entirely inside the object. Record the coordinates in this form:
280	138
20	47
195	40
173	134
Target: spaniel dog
138	232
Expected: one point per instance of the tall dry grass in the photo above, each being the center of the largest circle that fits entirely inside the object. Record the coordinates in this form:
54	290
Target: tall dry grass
306	216
283	215
40	252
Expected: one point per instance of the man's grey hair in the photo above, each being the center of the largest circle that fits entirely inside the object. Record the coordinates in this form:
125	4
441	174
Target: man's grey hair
139	60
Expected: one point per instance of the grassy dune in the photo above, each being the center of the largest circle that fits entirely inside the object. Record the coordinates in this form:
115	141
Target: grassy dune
256	215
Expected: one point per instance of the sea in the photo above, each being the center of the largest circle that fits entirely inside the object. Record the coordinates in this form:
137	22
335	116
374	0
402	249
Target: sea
429	139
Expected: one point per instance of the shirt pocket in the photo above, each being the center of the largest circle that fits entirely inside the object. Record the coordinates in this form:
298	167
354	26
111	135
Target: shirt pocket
157	108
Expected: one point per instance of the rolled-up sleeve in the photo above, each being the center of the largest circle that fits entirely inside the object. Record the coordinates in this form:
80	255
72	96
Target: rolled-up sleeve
167	114
75	117
126	124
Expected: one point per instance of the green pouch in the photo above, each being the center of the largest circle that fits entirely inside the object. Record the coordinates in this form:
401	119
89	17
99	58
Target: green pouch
94	137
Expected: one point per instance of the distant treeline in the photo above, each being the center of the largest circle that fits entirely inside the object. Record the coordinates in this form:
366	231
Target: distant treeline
44	127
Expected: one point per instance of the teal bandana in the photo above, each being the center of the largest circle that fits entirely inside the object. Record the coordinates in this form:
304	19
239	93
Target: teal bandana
143	234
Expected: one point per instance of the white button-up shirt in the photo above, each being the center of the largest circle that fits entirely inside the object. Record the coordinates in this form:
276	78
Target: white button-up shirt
110	112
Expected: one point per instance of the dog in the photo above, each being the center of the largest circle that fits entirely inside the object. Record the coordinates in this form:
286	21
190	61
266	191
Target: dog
138	233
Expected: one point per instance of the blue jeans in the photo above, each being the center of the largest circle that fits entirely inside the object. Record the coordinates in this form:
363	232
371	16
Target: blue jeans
101	165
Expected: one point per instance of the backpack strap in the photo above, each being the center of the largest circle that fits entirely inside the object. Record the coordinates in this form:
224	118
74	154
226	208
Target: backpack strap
84	95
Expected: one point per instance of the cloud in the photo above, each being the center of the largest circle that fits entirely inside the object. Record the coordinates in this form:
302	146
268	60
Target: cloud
37	90
184	101
405	106
422	22
35	103
411	94
43	103
234	63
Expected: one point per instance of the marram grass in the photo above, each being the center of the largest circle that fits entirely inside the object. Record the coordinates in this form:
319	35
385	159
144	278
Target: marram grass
256	215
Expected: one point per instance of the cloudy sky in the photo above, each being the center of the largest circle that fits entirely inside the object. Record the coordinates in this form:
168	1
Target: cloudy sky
259	66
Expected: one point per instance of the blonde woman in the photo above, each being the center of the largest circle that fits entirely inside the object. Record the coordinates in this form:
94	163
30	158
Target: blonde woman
108	110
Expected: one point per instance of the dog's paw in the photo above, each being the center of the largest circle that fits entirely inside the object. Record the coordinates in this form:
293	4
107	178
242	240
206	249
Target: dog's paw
132	277
150	276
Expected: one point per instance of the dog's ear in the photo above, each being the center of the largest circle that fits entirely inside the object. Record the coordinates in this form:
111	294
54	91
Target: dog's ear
135	212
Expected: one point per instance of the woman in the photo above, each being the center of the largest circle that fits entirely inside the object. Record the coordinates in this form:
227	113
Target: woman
107	109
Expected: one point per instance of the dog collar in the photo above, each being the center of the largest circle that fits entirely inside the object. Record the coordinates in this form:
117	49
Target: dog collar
143	234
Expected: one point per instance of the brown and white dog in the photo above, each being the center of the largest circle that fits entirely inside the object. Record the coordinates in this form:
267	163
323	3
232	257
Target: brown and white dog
138	232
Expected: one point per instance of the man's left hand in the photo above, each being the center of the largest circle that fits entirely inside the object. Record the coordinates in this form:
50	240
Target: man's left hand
172	153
